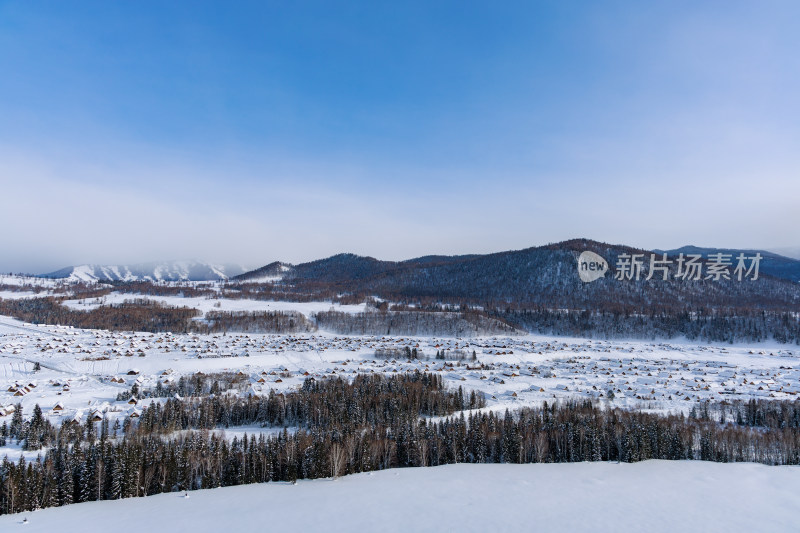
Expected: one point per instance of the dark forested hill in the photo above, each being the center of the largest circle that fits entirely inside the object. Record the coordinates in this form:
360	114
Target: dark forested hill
772	263
536	289
546	276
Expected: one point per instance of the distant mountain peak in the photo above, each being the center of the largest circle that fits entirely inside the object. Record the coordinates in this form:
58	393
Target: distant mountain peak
154	271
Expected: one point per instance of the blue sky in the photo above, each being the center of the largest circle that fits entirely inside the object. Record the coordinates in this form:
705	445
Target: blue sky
251	132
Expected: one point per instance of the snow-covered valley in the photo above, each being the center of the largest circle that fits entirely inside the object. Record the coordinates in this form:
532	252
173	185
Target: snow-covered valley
81	372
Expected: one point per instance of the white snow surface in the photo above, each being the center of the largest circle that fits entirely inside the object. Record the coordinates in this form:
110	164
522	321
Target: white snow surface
650	497
14	295
216	304
15	279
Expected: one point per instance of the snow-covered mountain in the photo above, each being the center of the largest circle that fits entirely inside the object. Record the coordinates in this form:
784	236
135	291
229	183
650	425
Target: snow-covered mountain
269	273
157	271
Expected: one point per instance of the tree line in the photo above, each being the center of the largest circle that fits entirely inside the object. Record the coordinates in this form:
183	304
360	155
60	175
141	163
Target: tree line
373	422
416	323
254	322
606	319
138	315
702	324
141	314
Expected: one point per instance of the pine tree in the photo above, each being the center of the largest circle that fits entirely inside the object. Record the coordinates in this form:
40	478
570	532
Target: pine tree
16	427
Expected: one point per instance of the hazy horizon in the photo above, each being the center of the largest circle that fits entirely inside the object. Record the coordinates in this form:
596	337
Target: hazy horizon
259	132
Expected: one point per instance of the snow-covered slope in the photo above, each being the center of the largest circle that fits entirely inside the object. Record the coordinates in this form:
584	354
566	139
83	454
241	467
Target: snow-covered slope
160	271
267	274
22	279
652	496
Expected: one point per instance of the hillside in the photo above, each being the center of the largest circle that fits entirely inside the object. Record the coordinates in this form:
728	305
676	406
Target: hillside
544	276
653	496
772	264
268	273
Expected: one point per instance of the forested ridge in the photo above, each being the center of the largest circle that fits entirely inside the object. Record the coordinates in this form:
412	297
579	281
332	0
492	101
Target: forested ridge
371	423
544	276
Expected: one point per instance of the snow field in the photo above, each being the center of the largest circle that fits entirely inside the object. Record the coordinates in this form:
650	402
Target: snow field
651	497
